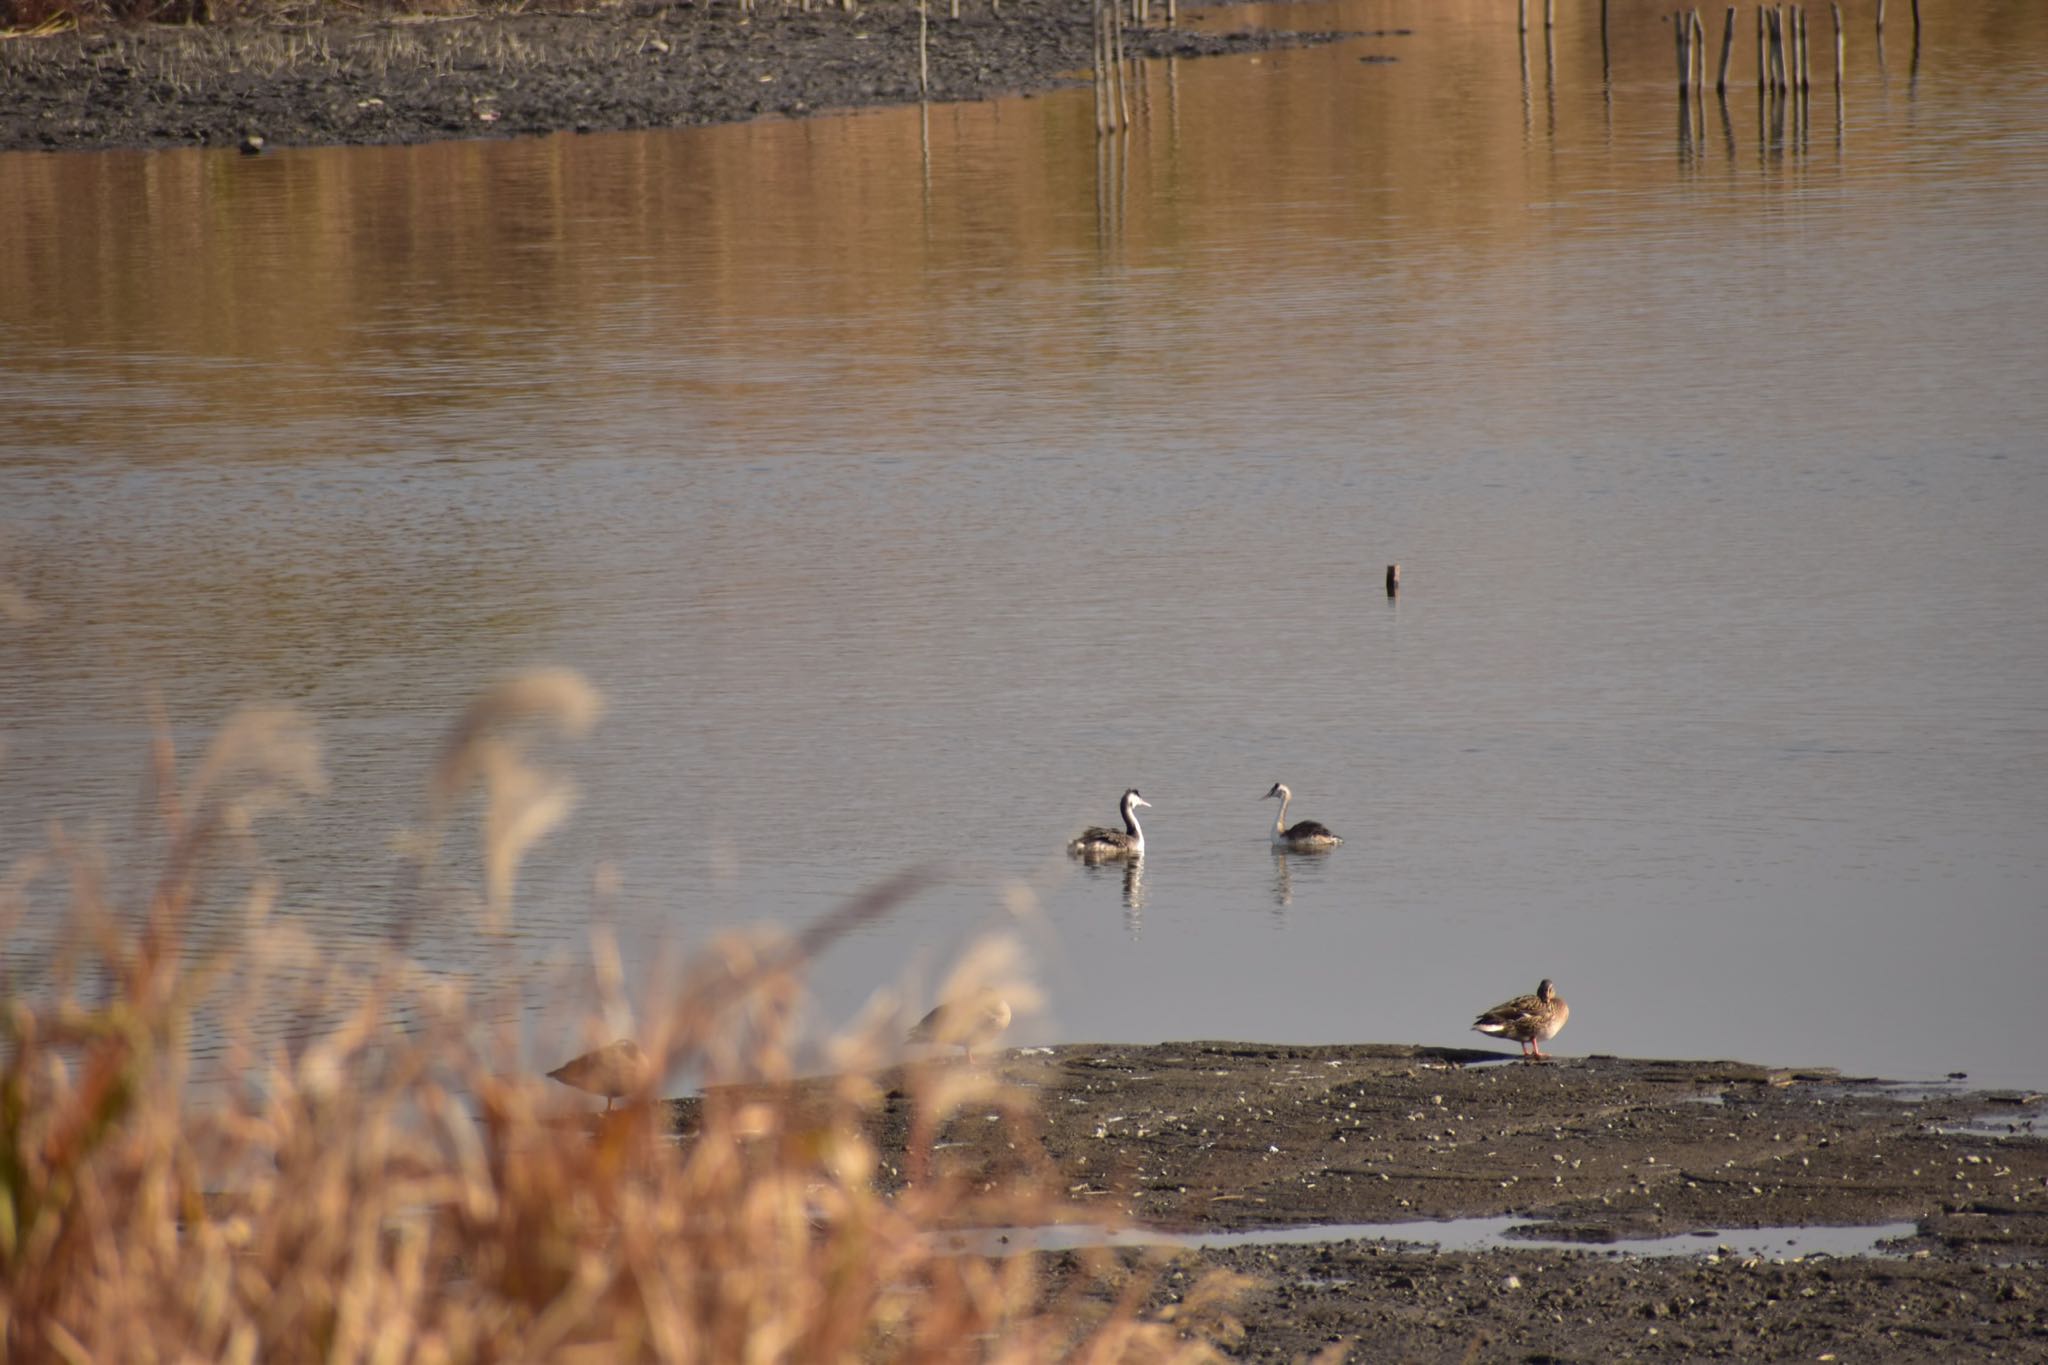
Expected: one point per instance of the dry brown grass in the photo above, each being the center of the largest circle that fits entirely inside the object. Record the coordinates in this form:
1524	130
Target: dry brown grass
368	1192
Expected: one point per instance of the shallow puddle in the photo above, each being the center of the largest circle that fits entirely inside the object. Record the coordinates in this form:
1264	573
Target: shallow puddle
1456	1234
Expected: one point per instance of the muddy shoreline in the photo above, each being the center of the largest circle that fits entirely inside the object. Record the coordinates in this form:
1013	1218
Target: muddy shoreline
1217	1137
405	79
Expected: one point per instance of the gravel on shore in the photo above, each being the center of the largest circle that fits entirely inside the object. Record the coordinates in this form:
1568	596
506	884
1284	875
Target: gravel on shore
1214	1137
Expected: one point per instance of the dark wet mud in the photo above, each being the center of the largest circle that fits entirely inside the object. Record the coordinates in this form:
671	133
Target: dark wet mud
414	79
1591	1151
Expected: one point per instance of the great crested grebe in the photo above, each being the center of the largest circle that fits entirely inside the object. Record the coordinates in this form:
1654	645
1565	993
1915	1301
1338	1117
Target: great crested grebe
1097	843
1531	1020
970	1021
1305	835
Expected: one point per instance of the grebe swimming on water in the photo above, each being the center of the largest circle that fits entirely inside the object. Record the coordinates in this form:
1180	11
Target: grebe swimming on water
1304	836
1097	843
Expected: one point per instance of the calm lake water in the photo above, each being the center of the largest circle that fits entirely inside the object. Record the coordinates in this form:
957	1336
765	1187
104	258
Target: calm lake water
910	487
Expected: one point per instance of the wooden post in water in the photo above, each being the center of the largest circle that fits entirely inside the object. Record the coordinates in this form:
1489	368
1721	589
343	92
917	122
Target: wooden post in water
1393	579
1771	49
1727	51
1880	19
1836	7
1791	47
924	63
1550	13
1101	72
1525	16
1681	34
1762	62
1778	82
1123	94
1699	53
1805	54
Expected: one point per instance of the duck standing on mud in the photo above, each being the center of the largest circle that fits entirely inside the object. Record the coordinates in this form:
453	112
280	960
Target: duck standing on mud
1531	1020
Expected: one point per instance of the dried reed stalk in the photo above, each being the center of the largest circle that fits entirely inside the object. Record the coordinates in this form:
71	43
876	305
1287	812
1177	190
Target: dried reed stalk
371	1190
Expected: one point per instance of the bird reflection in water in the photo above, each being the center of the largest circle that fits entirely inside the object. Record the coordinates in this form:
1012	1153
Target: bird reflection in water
1283	879
1132	871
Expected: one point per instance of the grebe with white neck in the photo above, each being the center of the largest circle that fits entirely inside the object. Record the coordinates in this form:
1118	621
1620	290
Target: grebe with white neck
1303	837
1098	843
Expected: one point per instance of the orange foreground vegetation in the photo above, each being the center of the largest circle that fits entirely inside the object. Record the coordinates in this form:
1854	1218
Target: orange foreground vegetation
373	1192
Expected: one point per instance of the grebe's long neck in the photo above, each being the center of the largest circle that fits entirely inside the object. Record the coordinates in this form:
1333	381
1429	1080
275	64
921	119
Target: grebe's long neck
1280	821
1131	821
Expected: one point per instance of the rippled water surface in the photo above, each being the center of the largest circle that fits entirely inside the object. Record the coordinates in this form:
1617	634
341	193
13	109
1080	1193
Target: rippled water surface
910	486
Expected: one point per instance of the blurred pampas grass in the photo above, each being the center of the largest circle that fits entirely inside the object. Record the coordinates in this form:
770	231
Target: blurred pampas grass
371	1192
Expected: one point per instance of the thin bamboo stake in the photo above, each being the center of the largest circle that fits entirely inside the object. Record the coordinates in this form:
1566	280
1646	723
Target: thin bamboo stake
1550	13
1101	73
1123	94
1763	64
1836	7
1788	49
1699	52
1681	32
1791	47
924	64
1727	51
1805	53
1525	16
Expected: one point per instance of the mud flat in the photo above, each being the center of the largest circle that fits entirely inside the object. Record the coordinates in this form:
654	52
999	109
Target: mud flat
418	78
1671	1209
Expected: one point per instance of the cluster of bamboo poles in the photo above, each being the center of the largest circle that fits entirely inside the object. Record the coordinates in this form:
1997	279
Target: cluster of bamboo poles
1112	89
1784	52
1112	64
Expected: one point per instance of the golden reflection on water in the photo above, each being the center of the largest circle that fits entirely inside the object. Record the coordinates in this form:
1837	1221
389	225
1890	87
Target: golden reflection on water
185	267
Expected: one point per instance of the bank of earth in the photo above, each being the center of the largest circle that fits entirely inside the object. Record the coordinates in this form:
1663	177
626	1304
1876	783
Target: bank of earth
1216	1138
339	77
